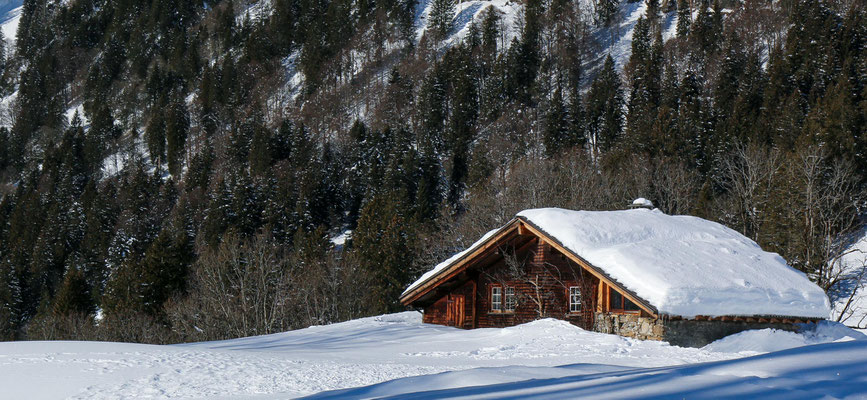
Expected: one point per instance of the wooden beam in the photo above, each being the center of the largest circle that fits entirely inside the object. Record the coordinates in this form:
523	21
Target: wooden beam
600	298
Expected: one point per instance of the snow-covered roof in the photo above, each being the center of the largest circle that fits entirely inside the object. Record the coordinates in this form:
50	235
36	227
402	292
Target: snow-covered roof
681	265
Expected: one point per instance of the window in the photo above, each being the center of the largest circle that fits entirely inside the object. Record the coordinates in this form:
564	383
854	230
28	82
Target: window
503	299
574	299
511	299
496	298
617	302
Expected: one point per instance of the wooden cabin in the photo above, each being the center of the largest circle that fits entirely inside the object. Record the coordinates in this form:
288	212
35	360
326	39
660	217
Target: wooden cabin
521	272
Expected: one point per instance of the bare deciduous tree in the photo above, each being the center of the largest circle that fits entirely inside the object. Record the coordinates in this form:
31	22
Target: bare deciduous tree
849	288
241	288
750	175
824	200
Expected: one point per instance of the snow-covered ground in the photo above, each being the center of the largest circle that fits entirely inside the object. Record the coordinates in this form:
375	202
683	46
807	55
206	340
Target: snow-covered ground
383	351
10	15
850	297
826	371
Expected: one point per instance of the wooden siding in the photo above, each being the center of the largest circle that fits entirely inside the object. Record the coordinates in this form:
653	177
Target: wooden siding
438	312
541	286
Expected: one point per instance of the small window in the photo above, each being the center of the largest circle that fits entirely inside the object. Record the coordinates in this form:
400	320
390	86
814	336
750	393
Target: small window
619	302
574	299
629	305
615	300
511	299
496	298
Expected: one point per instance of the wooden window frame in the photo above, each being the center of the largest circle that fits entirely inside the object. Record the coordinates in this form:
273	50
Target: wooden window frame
580	305
510	300
503	303
496	306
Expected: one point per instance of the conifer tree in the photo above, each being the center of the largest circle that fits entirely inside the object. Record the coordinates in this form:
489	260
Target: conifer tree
692	122
4	149
164	268
704	33
441	17
684	18
155	137
383	243
556	125
464	113
490	33
261	152
606	12
74	295
577	121
177	126
645	75
201	168
604	109
652	14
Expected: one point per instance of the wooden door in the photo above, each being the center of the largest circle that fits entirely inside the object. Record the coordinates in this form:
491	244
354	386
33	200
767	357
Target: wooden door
455	310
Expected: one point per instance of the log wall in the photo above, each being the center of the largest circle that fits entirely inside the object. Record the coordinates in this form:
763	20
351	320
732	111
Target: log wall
542	291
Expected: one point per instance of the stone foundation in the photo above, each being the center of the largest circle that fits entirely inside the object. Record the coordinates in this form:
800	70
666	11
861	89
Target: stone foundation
684	333
630	325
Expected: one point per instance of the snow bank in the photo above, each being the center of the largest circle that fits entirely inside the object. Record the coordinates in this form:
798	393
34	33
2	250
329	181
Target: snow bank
684	265
850	294
351	354
769	340
399	355
831	370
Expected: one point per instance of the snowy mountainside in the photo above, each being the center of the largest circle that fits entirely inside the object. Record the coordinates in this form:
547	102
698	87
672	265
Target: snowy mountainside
11	16
467	12
368	351
615	40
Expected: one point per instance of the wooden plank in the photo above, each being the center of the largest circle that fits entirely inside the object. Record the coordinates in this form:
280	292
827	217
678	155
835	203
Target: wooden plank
475	296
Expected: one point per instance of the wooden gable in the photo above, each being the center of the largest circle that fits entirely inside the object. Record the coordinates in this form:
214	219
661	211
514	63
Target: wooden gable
518	233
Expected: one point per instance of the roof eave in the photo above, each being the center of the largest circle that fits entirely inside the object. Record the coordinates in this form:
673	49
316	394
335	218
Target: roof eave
424	287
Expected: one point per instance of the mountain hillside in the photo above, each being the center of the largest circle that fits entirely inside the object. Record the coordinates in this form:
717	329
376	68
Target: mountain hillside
175	171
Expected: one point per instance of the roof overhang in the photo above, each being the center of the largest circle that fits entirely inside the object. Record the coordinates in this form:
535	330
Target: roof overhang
461	263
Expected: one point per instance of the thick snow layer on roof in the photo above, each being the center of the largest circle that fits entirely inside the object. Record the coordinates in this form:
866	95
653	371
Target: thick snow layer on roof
684	265
439	267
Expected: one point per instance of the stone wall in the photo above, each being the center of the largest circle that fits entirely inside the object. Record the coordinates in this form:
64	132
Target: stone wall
690	333
684	333
630	325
